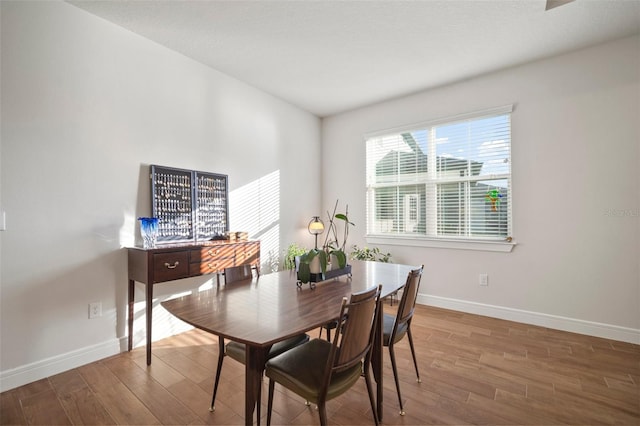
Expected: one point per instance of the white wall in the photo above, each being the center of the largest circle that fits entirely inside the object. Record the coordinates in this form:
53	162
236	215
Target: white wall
86	107
576	158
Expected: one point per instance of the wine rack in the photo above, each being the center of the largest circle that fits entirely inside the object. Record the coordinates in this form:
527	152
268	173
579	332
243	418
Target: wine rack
190	205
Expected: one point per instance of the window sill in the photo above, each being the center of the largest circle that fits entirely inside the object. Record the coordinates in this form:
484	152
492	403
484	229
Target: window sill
480	245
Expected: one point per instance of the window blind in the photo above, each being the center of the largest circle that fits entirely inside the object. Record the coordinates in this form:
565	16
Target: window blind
449	178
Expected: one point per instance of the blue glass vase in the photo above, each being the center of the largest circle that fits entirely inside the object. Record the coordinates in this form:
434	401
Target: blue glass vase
149	231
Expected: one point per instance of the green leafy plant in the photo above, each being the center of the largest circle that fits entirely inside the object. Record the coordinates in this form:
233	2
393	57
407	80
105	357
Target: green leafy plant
292	252
304	269
367	253
333	244
341	257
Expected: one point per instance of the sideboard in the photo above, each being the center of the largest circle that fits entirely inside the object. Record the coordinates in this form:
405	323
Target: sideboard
177	261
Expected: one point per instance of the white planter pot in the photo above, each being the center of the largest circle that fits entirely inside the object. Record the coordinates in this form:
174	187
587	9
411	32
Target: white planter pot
335	262
314	266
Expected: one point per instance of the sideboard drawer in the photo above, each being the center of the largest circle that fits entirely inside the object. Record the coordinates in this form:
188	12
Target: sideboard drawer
212	266
212	252
170	266
248	253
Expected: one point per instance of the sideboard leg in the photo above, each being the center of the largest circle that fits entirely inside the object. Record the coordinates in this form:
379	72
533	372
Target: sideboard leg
149	315
130	319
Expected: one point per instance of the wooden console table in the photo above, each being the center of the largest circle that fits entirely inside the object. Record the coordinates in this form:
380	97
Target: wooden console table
174	262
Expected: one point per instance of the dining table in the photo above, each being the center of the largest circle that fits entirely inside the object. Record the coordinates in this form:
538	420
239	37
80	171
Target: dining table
263	310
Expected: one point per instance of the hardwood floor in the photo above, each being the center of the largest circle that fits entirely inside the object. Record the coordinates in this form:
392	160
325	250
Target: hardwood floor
474	369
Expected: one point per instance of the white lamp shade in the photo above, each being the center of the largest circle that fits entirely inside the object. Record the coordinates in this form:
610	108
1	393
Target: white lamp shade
316	226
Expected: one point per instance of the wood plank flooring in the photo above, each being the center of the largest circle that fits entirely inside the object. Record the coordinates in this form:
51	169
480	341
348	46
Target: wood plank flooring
474	370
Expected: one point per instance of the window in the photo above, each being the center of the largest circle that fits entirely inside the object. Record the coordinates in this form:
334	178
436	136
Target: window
449	179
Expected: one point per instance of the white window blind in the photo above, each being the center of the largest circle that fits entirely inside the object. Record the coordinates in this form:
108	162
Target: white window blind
444	179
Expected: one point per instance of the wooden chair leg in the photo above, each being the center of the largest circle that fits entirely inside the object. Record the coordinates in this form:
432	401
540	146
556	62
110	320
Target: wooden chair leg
322	410
270	402
395	376
372	401
413	353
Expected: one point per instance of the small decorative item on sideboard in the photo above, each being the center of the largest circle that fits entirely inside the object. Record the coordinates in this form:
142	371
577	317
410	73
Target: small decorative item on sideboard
237	236
148	231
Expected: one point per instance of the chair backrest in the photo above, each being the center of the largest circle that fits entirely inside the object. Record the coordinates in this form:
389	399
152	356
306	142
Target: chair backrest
237	273
407	304
354	337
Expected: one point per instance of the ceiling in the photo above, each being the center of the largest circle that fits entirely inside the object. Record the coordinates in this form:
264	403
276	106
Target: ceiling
328	57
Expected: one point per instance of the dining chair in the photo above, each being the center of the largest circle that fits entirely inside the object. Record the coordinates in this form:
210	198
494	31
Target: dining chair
395	327
320	370
236	350
237	273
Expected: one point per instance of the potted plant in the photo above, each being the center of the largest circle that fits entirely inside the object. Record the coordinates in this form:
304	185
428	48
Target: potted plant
293	251
333	245
313	265
373	254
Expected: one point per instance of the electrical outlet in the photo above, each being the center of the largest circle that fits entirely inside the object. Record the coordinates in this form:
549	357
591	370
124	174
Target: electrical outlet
95	310
484	280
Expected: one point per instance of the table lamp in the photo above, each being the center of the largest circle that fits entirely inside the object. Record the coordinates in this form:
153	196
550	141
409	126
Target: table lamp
316	227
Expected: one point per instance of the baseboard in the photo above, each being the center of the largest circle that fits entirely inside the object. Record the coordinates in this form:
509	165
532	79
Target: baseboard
22	375
607	331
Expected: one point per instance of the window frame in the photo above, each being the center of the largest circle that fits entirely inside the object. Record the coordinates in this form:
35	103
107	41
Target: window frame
454	242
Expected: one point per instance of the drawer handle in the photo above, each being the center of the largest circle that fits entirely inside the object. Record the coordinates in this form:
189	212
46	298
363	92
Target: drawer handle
171	266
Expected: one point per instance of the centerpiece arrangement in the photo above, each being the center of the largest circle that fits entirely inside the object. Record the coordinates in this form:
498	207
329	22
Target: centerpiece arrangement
329	261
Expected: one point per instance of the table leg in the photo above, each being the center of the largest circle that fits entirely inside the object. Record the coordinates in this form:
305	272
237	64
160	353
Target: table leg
149	315
256	358
130	319
376	360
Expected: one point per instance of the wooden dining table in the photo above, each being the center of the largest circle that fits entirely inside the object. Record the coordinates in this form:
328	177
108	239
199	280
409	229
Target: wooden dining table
262	311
